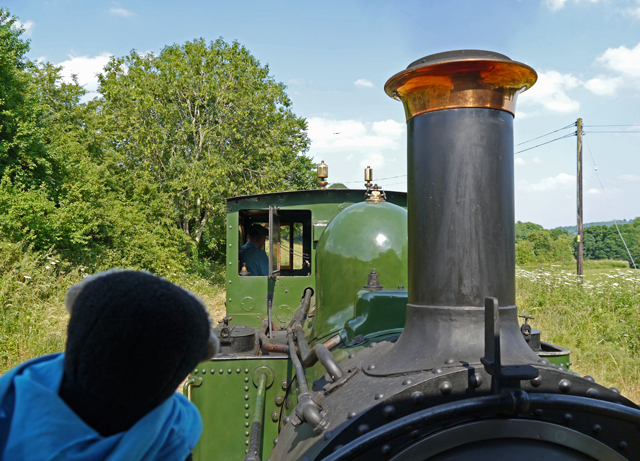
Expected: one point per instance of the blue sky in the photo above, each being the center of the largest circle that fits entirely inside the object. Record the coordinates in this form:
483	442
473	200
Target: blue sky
335	56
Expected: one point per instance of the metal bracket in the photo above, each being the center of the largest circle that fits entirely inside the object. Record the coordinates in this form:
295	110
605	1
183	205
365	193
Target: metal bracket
508	376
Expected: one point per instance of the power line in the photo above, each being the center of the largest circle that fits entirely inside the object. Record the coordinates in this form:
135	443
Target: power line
548	142
595	167
620	131
600	126
551	132
376	179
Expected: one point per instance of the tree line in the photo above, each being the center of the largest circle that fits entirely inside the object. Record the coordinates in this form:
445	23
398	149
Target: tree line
136	177
534	244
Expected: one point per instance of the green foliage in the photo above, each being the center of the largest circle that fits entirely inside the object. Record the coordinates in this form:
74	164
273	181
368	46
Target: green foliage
597	321
197	123
537	245
602	242
337	185
523	229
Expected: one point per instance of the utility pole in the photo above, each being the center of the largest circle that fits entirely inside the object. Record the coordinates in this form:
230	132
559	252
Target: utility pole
579	255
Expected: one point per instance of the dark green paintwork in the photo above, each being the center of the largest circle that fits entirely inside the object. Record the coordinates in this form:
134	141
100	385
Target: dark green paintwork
226	402
377	311
246	296
364	236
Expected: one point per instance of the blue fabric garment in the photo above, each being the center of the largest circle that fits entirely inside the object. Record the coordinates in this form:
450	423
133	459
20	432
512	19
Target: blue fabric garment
256	259
35	424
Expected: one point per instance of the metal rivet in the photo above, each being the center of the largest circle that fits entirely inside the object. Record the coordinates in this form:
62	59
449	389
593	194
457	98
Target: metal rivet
246	442
414	434
564	385
229	282
589	378
449	361
475	380
327	435
537	381
275	441
378	396
386	449
246	406
614	389
437	370
568	417
417	397
592	392
204	372
389	411
229	371
279	400
221	370
246	371
246	452
212	371
246	415
195	372
275	416
287	419
363	429
246	433
445	388
597	428
538	412
351	415
406	382
246	424
246	379
622	445
246	396
371	367
246	388
284	385
238	370
543	361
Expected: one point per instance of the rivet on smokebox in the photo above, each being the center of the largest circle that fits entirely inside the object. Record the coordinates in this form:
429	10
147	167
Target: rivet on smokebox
275	416
564	385
445	388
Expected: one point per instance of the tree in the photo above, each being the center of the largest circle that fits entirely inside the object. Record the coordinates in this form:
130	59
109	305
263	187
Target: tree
523	229
197	123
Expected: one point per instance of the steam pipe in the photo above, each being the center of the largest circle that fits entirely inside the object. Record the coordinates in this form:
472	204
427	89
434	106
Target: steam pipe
319	352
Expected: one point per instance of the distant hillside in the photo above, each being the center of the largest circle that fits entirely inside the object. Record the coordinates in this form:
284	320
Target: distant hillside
573	230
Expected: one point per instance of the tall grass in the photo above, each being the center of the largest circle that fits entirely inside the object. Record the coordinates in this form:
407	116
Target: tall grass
598	319
33	319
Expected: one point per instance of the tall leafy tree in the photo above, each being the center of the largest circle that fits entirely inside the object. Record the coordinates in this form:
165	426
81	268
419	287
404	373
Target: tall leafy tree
197	123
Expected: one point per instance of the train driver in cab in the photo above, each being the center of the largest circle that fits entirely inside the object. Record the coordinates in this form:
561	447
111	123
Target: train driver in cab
252	253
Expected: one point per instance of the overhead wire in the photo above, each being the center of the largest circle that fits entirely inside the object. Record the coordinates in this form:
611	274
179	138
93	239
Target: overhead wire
544	135
548	142
595	167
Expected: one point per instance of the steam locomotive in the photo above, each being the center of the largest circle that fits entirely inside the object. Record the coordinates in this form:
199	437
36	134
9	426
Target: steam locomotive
387	327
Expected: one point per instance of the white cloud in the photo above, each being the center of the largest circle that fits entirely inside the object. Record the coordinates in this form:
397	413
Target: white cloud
555	5
519	161
86	69
561	181
629	177
537	160
121	12
373	161
623	60
27	26
550	92
593	191
336	134
364	83
634	10
603	86
389	128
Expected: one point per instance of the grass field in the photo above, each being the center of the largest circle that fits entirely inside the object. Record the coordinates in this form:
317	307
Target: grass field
598	321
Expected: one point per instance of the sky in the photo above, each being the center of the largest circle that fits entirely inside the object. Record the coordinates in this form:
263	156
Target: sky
335	57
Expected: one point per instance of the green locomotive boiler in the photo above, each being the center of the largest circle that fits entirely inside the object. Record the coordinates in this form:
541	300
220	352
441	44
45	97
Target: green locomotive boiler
386	327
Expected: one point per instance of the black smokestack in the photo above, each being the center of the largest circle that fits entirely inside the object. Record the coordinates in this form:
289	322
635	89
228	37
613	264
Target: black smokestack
460	107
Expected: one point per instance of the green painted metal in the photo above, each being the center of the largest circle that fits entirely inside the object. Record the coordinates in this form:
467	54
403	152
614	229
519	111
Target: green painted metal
556	355
364	236
246	296
377	311
225	392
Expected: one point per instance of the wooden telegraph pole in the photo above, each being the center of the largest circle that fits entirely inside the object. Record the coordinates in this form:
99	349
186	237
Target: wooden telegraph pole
579	255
